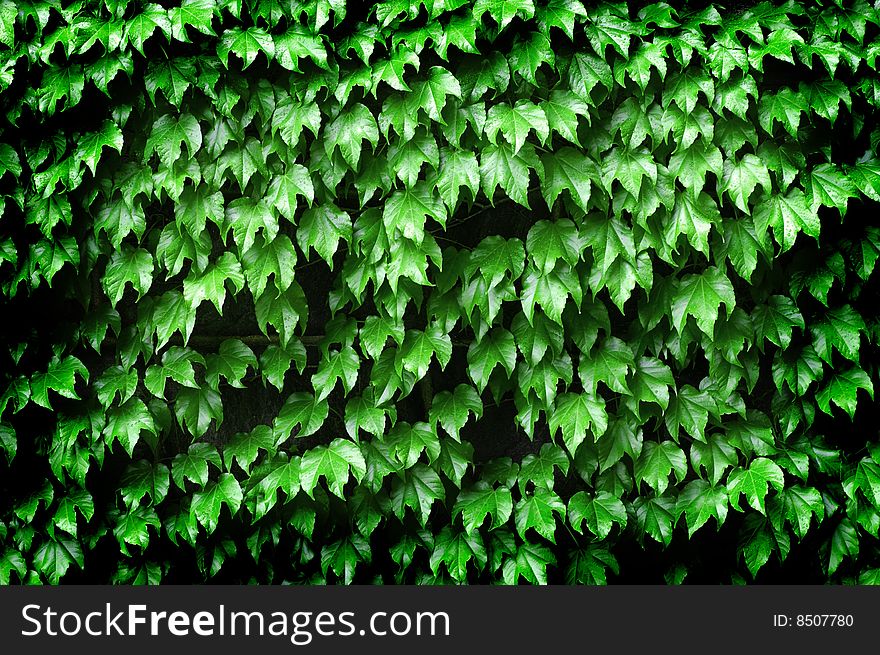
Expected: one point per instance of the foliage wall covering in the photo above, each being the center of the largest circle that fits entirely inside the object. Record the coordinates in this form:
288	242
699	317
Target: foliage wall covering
506	291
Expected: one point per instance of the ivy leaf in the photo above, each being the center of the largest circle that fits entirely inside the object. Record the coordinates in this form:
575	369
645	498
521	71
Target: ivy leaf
609	240
655	517
244	159
9	159
534	340
585	71
651	381
866	478
657	462
116	380
461	31
797	372
193	465
516	122
289	119
420	346
362	413
578	415
495	259
501	166
232	361
714	456
776	319
549	241
590	565
284	189
246	218
276	474
689	409
195	206
406	210
374	334
692	164
785	106
321	228
451	409
607	29
337	365
49	212
419	487
842	390
90	146
10	561
177	364
207	504
866	178
456	550
65	515
60	377
335	462
599	511
539	469
409	442
276	258
693	215
54	557
198	14
276	361
787	215
504	11
211	284
172	313
481	500
169	132
562	110
301	409
430	95
126	423
298	42
701	295
840	329
343	556
530	562
753	434
629	168
197	408
458	168
529	53
245	447
743	245
142	26
119	220
245	43
754	482
536	511
174	78
609	364
699	501
740	179
497	347
143	478
797	506
829	186
353	126
566	169
8	442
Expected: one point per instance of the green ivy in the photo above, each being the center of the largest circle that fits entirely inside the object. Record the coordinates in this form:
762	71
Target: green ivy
437	291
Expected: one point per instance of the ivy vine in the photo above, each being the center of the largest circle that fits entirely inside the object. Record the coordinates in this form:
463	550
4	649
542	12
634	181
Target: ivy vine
434	291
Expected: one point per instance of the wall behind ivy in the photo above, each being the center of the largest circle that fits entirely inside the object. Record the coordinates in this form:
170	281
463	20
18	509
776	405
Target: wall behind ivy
430	292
